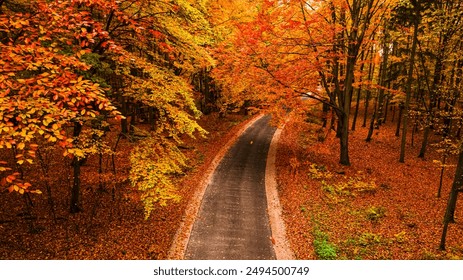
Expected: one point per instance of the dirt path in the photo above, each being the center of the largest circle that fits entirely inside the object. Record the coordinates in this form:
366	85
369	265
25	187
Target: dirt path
233	222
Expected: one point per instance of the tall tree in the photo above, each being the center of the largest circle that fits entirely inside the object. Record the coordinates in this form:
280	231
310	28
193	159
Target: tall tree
457	187
294	40
71	63
415	16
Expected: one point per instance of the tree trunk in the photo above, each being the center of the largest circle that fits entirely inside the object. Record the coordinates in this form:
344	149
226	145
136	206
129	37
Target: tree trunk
124	111
452	202
344	140
382	78
372	122
409	88
76	163
357	105
399	119
359	90
325	111
444	159
388	99
371	69
344	137
425	141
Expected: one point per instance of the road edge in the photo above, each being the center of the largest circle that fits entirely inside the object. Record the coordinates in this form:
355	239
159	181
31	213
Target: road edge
182	236
277	226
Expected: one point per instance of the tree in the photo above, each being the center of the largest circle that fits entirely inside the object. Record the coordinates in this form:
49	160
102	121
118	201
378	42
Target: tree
42	82
67	65
291	42
412	14
452	201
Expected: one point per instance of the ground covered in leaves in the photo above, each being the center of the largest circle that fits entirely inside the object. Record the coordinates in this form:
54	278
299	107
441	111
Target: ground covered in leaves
112	224
377	208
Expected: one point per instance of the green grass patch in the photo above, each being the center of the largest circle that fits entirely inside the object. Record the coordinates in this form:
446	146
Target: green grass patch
324	249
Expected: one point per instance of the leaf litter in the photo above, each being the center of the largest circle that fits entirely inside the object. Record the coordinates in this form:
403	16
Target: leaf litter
397	215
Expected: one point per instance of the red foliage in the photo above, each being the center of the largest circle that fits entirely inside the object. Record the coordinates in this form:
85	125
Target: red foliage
401	219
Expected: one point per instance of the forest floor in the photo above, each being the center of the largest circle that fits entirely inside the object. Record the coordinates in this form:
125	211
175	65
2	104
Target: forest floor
112	224
377	208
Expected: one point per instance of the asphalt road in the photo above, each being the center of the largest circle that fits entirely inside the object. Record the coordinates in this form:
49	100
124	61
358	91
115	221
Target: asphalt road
232	222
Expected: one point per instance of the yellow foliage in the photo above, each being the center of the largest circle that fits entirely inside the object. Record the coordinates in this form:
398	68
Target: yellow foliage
154	161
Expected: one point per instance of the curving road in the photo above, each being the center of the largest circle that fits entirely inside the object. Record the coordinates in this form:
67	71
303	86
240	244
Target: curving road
233	222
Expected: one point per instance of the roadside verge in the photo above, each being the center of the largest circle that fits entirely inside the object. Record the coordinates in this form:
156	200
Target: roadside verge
277	225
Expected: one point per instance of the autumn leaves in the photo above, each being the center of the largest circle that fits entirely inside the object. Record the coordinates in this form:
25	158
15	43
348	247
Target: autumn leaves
74	68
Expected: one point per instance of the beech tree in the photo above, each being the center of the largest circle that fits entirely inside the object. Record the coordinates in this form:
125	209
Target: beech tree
292	42
42	82
69	65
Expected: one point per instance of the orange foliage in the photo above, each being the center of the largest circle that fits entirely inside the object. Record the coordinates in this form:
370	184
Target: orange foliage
398	217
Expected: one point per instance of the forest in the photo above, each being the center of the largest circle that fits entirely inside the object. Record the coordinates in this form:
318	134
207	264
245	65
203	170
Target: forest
112	110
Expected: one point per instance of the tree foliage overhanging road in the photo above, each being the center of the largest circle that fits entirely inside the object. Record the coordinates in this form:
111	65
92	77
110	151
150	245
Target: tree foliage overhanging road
74	71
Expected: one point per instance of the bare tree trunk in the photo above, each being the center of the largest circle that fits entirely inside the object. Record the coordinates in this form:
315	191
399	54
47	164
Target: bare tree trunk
452	202
372	122
409	88
424	144
371	69
399	119
344	140
325	111
388	99
382	78
357	105
444	159
359	90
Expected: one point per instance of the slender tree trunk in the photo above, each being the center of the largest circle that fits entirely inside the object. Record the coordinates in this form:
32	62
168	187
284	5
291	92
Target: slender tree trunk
51	202
399	119
325	111
372	122
414	129
409	88
359	90
124	111
386	108
382	78
424	143
371	69
452	202
76	163
133	117
357	105
344	140
444	159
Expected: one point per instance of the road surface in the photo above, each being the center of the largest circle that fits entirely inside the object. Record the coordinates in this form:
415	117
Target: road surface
232	222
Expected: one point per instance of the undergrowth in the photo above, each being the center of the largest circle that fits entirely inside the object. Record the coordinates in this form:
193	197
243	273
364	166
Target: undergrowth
324	249
338	191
